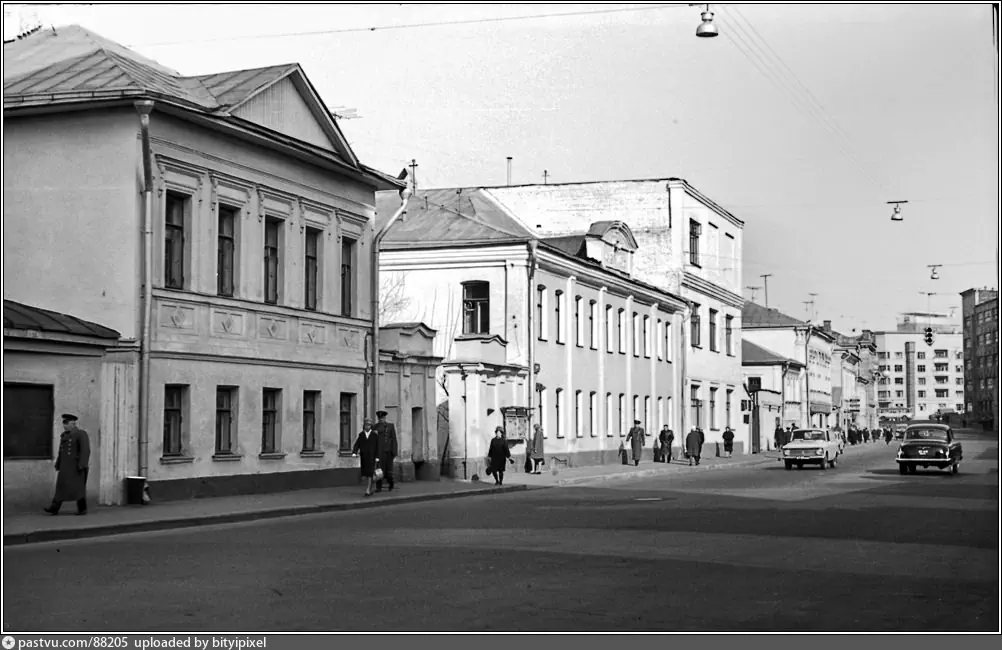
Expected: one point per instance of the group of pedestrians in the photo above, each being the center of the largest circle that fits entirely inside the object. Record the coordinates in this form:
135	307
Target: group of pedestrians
376	446
664	443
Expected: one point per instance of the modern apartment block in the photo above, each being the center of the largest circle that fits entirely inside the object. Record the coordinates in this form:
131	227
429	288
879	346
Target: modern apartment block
980	308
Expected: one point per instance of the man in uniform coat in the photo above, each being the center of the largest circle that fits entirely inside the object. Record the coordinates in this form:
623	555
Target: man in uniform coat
636	438
72	465
388	448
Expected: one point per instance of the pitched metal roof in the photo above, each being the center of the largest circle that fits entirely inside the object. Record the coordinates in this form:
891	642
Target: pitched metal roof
18	316
756	355
571	244
448	216
755	315
234	87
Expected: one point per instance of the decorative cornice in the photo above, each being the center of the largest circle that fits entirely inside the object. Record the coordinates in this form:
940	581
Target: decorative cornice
696	283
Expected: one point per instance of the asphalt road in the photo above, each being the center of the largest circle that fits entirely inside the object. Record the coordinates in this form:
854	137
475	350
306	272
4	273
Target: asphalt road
857	548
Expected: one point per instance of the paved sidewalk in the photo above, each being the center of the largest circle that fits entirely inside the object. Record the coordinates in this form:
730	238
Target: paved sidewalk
27	528
563	476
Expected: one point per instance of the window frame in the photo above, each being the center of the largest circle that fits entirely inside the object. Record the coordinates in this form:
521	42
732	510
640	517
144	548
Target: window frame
226	246
346	421
312	399
349	246
173	439
311	269
712	321
272	260
175	240
270	424
695	232
477	307
229	409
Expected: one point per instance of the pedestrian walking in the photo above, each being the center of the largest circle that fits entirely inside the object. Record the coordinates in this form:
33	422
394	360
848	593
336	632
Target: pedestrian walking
728	441
888	436
387	433
72	465
693	446
777	436
667	438
367	447
537	450
498	453
636	438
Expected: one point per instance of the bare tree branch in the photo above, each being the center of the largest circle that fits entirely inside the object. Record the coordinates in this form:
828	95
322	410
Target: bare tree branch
393	298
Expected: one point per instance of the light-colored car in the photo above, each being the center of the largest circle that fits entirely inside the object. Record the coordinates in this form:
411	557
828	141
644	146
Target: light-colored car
811	447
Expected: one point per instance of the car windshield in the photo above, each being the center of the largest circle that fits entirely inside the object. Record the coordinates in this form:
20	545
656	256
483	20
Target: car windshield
808	435
927	434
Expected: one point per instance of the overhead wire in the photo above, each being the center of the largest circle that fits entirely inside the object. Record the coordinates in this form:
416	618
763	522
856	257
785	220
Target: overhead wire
383	28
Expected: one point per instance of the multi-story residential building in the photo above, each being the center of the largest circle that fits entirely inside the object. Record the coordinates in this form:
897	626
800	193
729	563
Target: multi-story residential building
555	331
242	363
795	339
980	308
687	245
776	384
861	409
917	380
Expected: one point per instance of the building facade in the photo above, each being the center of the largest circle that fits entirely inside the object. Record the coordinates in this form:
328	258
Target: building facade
687	245
920	381
552	331
980	308
260	230
811	345
776	386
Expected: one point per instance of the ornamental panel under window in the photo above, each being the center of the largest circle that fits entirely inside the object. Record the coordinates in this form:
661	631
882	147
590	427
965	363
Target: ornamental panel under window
476	308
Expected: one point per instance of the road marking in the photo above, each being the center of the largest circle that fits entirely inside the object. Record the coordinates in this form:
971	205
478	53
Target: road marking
649	499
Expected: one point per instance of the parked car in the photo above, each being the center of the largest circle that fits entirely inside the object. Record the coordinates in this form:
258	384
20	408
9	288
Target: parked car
930	444
811	447
899	431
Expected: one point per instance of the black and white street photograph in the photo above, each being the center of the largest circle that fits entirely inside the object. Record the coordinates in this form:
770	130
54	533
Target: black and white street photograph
498	318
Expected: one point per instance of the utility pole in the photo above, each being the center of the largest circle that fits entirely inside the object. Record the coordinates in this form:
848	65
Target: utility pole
814	313
509	170
413	167
546	175
753	290
765	283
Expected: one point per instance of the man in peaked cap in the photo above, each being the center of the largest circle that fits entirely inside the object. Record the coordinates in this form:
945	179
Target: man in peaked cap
636	438
72	465
388	448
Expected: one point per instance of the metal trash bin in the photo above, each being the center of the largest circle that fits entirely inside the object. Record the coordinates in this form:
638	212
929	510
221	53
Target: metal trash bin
134	488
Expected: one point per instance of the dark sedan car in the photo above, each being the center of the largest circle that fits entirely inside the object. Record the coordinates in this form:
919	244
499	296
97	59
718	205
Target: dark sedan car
929	445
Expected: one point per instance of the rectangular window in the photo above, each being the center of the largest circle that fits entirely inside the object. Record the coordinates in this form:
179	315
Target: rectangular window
729	334
647	414
647	336
346	421
696	326
347	278
921	394
311	399
609	333
899	368
225	403
312	269
622	331
661	340
173	419
558	404
921	381
941	354
578	322
176	208
942	393
918	355
28	421
695	229
636	334
593	324
541	411
269	420
593	413
636	411
610	425
713	408
662	418
622	415
476	308
578	414
727	408
713	330
271	260
920	368
558	299
669	353
541	312
226	249
696	411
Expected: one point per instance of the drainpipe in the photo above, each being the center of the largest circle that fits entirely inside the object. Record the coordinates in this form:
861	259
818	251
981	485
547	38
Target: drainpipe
807	375
144	108
533	262
466	425
782	383
684	401
405	195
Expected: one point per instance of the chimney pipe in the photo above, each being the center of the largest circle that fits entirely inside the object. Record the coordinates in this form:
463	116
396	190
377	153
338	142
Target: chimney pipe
509	170
828	325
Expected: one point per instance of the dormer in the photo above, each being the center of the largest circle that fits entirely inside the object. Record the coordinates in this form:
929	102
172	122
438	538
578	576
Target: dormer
611	243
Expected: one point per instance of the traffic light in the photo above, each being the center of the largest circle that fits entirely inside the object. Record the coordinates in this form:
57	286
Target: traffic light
928	336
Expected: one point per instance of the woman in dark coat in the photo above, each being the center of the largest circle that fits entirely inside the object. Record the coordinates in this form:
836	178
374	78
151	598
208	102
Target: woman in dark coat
693	446
498	453
367	446
728	441
537	450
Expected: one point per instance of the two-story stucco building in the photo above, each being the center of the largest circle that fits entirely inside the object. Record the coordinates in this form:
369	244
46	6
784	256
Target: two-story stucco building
809	344
550	330
687	245
222	225
775	384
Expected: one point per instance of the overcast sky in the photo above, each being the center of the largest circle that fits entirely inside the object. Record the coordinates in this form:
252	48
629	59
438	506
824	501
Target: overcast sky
803	120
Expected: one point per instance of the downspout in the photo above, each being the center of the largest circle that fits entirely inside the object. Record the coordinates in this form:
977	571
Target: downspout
144	108
405	195
807	376
466	425
684	401
782	383
531	388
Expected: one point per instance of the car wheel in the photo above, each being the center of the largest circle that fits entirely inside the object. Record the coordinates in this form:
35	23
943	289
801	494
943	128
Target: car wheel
956	468
824	462
902	468
835	461
913	469
789	465
800	466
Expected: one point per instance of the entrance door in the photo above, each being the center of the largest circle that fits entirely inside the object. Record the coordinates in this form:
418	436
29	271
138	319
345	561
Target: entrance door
756	436
418	444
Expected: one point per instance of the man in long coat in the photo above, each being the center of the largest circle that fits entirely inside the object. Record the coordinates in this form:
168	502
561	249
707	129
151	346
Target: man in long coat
537	451
636	438
693	446
666	438
388	448
72	465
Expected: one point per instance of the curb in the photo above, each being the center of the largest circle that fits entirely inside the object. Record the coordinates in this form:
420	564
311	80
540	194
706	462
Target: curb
19	539
659	471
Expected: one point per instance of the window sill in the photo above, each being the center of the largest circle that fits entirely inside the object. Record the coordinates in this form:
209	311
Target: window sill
271	456
311	454
226	458
344	453
176	460
697	347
